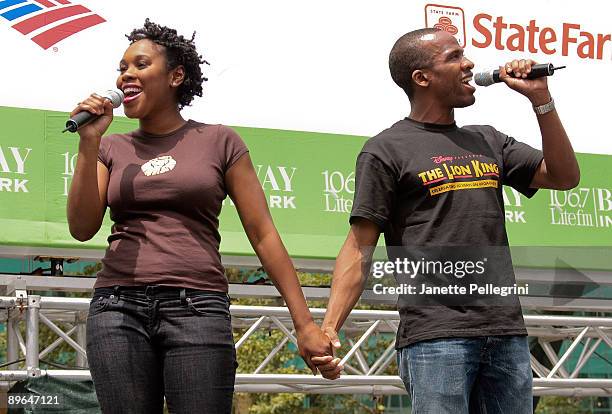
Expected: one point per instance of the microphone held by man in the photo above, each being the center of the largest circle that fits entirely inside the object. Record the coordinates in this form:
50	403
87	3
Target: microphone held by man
537	71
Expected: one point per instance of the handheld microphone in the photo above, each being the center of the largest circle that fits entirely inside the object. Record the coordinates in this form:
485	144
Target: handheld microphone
537	71
116	97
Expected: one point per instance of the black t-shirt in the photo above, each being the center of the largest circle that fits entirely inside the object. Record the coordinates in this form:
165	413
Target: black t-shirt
428	185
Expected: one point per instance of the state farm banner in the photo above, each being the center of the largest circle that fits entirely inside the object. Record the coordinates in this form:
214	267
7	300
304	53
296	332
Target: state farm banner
309	183
318	65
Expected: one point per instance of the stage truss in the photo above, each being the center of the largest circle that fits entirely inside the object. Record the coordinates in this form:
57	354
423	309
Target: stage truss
363	375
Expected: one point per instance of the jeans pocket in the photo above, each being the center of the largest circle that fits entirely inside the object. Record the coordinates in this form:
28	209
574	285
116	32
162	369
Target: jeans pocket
211	306
98	305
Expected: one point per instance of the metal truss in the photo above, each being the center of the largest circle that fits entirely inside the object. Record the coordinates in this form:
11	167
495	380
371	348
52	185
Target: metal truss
367	371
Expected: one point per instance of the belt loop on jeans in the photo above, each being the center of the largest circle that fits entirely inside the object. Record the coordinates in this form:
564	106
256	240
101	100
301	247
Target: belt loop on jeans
115	295
183	296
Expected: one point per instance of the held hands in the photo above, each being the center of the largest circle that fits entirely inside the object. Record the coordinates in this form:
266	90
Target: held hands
329	366
316	349
536	90
99	106
312	342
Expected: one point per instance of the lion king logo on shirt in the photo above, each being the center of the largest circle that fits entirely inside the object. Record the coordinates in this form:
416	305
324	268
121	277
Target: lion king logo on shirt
466	175
158	165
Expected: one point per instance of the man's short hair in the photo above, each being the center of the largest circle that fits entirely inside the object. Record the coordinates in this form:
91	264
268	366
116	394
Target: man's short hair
408	55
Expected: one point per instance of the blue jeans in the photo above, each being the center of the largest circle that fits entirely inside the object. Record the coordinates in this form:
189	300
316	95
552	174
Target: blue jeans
480	375
145	343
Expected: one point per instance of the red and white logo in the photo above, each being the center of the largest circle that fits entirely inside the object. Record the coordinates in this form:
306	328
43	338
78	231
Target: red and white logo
46	22
448	18
529	35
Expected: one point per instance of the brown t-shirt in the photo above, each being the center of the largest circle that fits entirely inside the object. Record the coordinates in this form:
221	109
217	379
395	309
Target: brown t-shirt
165	194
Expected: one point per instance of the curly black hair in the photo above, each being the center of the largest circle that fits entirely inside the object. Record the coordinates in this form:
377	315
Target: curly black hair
179	51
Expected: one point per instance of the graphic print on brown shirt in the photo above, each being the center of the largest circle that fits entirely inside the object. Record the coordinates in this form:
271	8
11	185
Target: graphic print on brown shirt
165	194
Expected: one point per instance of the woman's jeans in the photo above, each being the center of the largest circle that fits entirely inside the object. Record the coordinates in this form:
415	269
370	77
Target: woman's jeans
144	343
479	375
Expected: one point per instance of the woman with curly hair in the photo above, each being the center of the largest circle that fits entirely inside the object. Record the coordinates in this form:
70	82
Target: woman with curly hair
159	322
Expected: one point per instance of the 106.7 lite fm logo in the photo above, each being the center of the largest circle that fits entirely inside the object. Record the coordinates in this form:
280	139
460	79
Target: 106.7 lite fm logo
581	207
338	192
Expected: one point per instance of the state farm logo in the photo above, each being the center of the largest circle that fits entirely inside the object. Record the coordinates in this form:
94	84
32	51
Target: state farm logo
518	35
446	18
46	22
534	37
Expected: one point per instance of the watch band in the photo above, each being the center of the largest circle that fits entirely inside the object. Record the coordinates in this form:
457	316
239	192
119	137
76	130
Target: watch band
546	108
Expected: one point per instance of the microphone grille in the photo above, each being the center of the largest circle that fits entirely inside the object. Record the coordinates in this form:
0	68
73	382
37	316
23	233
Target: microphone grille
484	78
116	96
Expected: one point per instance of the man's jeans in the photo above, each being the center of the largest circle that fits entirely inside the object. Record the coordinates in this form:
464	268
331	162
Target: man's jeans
480	375
144	343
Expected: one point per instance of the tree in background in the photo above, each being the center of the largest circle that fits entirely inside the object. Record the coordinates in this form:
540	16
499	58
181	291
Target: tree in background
560	405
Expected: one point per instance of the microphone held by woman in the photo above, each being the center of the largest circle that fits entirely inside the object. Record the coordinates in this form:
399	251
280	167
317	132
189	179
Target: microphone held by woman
116	97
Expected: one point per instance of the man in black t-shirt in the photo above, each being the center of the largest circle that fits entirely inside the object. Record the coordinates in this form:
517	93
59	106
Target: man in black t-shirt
435	191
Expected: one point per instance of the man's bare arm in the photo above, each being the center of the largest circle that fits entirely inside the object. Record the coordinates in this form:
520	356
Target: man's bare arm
349	277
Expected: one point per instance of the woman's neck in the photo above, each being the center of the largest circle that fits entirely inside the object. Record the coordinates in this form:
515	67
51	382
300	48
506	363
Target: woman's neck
162	122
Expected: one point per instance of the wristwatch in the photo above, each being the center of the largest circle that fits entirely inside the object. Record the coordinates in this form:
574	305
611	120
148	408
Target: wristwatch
546	108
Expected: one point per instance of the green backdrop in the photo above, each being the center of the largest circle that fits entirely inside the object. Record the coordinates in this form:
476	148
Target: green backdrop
307	177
